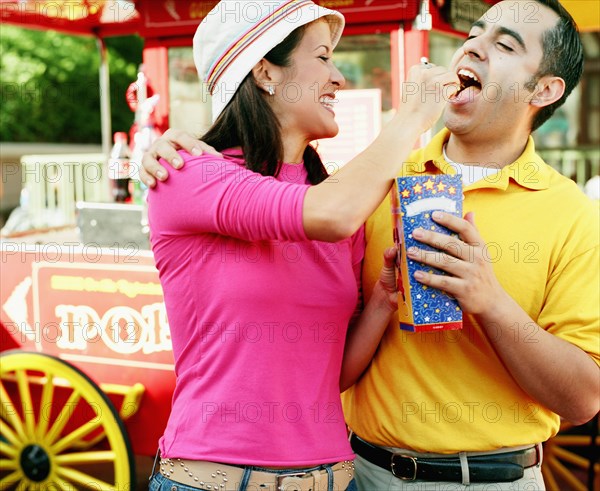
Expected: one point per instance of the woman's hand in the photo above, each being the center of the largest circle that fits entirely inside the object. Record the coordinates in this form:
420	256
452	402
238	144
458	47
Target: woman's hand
365	334
166	148
426	92
387	281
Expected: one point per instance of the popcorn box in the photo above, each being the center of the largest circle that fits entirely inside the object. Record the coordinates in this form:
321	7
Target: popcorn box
414	199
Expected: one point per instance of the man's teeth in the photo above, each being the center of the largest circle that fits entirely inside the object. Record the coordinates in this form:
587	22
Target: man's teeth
467	73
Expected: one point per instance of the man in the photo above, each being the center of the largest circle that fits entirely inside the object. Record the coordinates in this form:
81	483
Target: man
526	276
472	406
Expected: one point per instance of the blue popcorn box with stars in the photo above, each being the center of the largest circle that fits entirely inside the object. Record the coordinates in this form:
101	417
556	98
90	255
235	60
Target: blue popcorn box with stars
414	199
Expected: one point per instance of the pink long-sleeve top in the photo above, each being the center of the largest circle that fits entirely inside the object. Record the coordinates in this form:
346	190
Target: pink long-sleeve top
258	316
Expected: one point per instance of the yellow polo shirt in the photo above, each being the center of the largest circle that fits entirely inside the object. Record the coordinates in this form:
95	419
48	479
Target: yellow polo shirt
447	392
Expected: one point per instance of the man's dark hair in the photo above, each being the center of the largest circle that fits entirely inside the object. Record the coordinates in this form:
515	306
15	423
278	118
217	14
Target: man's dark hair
249	122
562	57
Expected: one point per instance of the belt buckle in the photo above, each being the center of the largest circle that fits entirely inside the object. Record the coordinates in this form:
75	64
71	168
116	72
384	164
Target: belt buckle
280	477
412	459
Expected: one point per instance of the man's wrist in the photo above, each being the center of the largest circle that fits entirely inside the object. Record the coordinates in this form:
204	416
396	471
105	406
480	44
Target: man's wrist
503	311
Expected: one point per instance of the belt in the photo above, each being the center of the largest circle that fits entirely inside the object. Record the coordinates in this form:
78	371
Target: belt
222	477
498	467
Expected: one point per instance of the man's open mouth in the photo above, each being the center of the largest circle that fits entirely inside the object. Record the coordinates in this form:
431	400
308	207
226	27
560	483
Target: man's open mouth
468	79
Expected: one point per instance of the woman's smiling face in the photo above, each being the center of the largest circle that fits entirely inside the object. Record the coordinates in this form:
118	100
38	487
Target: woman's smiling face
303	101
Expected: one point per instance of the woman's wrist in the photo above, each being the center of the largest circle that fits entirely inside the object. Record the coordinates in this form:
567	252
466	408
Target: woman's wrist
410	120
383	299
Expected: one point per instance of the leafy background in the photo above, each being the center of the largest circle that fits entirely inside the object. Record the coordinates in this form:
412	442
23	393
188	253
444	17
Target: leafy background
49	88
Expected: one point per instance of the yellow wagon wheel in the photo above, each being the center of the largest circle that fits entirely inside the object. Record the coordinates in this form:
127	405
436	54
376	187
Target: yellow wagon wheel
571	459
52	417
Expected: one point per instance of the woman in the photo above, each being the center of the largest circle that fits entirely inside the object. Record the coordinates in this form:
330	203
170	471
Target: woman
260	256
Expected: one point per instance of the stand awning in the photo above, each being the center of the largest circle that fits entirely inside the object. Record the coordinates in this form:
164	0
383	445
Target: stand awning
166	18
100	18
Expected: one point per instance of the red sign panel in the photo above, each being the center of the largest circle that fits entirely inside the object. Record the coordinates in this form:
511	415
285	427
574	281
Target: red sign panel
367	11
168	18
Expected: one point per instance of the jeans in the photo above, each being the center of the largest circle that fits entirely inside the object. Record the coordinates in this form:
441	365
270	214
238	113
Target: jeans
158	482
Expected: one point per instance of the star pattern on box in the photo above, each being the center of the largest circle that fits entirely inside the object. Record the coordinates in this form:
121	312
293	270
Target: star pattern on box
418	197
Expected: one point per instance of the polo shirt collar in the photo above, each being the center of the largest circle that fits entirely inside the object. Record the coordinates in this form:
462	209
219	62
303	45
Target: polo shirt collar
529	170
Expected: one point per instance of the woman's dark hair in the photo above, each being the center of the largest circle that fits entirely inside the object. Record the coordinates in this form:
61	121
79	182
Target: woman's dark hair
562	57
249	122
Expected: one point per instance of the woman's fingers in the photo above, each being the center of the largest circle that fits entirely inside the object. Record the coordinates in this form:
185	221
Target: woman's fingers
388	272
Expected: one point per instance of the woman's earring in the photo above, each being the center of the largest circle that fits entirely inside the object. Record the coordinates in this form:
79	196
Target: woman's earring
271	90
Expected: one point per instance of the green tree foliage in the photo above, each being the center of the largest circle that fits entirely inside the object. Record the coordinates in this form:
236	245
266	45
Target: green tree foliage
49	88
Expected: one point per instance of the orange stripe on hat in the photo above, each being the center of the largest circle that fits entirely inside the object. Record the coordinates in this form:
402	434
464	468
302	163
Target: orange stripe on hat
237	47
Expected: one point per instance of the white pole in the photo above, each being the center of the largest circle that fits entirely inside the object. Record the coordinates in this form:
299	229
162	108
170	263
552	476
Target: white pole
104	97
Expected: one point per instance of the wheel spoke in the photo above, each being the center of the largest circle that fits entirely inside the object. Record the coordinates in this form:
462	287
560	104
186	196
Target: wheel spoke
45	402
63	417
8	450
26	404
571	458
6	464
548	475
572	440
59	484
82	479
85	458
76	435
566	475
9	434
8	412
23	486
12	478
64	485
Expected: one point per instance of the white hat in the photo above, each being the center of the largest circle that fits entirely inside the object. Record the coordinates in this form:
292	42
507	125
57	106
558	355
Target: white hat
237	34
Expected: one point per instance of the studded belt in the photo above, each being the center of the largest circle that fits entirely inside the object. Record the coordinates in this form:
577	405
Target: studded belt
221	477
